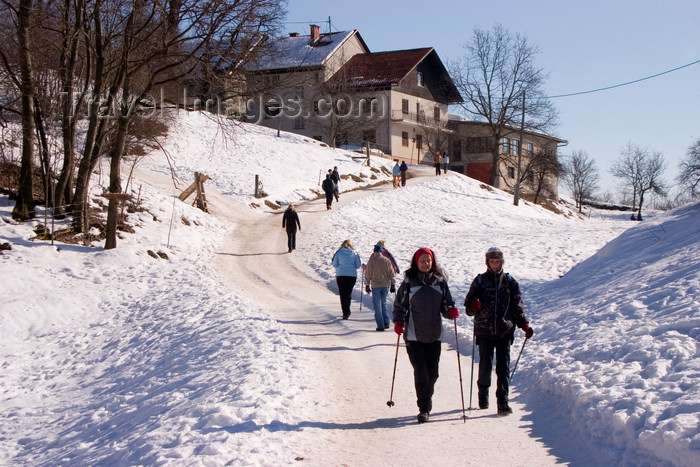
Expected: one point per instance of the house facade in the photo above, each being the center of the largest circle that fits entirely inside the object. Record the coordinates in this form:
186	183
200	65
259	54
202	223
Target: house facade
471	153
332	88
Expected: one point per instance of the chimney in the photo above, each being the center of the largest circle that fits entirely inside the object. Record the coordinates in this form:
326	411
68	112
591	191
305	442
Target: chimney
293	34
315	33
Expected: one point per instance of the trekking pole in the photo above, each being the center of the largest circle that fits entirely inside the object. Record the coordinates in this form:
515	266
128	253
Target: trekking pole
471	381
516	362
459	365
362	285
390	402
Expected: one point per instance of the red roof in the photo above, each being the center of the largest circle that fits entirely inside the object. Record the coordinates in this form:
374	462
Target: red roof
379	68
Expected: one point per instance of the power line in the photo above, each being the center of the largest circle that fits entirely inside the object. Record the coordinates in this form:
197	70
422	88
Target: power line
625	84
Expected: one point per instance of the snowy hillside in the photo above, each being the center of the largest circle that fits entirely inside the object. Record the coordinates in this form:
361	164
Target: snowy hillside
119	357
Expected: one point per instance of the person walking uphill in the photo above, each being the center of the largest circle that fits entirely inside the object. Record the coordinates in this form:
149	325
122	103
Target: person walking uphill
422	300
379	280
290	222
329	189
495	301
346	263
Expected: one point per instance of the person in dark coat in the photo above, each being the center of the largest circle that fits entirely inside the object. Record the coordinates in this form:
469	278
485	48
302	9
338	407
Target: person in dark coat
403	168
329	189
495	301
290	222
422	300
335	176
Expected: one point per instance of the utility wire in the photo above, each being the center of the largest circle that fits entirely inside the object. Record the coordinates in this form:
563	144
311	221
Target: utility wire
624	84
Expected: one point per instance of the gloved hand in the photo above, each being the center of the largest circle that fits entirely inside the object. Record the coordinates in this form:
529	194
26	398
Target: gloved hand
475	306
392	289
398	328
368	289
527	330
453	312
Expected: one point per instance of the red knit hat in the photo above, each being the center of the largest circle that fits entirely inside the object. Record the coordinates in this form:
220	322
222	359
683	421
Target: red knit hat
421	252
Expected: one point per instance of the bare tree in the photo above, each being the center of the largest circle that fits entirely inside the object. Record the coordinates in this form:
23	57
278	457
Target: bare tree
543	167
581	177
689	176
495	71
24	207
651	181
628	168
640	170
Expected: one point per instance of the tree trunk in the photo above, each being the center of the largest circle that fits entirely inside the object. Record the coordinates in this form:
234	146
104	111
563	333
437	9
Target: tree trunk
115	183
24	208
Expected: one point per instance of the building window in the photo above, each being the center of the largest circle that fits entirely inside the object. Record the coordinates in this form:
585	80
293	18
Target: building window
530	149
505	146
420	115
477	144
436	114
514	146
511	171
419	141
404	138
299	123
420	78
404	106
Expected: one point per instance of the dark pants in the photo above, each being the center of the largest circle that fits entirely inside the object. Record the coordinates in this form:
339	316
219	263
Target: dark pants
501	345
329	199
425	359
437	168
345	286
292	239
403	178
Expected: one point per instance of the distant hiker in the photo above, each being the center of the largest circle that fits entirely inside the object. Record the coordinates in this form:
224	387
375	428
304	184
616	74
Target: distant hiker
346	263
396	173
328	188
438	163
388	256
335	176
290	222
421	301
403	169
495	301
445	162
379	280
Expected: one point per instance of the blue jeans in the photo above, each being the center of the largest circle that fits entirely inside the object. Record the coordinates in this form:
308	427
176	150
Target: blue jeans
379	295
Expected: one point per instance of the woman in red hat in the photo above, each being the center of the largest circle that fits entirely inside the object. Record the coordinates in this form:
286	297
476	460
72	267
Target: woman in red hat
422	300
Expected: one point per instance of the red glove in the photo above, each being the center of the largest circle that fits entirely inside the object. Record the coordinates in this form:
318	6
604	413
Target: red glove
527	330
453	312
398	328
475	306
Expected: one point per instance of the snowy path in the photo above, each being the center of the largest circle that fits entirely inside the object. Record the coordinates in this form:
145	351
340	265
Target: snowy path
352	364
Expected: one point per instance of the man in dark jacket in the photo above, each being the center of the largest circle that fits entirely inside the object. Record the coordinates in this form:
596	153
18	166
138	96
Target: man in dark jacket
328	188
495	301
335	176
290	222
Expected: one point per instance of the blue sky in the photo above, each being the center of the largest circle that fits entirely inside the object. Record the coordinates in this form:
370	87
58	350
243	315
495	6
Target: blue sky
583	46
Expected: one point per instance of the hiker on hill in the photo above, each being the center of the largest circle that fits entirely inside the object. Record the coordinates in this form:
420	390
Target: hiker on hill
396	173
290	222
379	281
329	189
403	169
495	301
346	263
335	176
445	162
438	162
422	300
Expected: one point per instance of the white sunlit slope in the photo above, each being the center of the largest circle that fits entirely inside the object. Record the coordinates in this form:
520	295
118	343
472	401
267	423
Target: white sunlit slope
619	345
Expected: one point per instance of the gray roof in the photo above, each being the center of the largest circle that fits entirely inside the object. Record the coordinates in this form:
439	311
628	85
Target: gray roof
300	52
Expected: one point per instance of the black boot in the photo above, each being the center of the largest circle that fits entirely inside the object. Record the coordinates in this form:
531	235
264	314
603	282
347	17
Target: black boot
483	399
504	408
423	417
